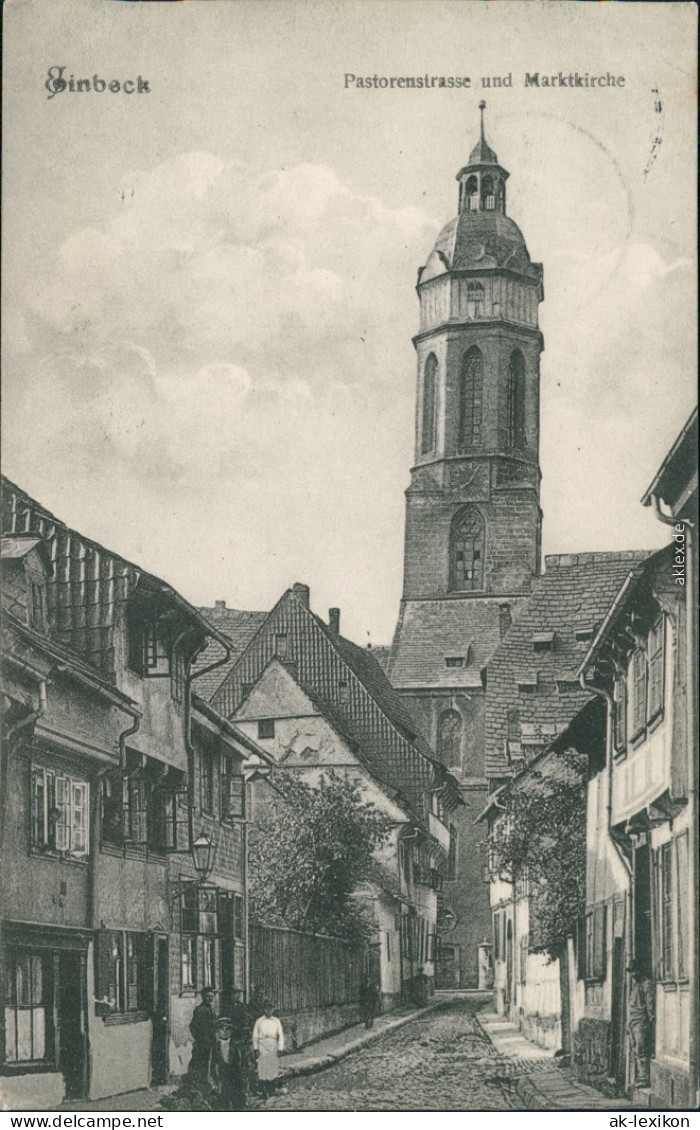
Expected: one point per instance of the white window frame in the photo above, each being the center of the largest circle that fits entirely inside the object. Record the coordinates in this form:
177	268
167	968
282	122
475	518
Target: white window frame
71	831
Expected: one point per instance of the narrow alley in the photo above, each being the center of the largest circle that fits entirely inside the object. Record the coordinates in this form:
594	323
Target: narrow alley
440	1061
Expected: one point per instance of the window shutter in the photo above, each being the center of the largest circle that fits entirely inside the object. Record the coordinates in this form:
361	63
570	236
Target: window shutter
148	974
63	804
656	668
236	797
581	947
639	706
38	795
105	981
682	903
599	942
81	809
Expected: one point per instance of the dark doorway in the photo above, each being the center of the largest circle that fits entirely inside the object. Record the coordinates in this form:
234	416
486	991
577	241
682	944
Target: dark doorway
617	1012
161	986
228	970
642	908
447	968
71	1022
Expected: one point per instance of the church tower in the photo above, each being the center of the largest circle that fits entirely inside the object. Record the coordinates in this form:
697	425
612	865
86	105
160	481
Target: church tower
473	519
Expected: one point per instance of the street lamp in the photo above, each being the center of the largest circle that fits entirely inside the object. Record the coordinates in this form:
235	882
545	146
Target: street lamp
203	851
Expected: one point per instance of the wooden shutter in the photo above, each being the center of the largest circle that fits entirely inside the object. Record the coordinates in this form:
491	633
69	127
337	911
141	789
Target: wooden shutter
599	943
63	805
80	817
236	797
581	947
656	669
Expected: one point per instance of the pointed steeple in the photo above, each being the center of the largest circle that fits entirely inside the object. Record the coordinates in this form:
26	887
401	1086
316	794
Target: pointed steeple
482	154
482	181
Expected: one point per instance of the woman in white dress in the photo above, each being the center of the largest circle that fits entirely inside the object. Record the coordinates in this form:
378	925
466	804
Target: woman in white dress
268	1042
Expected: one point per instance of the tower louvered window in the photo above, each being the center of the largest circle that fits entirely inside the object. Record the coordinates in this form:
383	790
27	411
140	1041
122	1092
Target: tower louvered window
488	194
472	195
467	552
429	405
471	399
475	300
516	401
449	738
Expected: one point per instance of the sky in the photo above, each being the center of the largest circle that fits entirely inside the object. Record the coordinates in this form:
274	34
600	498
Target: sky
208	288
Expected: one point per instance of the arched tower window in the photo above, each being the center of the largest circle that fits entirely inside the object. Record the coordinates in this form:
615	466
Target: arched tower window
467	551
428	433
501	196
471	391
475	300
472	194
449	738
516	400
487	194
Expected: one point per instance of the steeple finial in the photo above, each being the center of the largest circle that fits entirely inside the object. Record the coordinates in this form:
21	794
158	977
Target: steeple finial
482	107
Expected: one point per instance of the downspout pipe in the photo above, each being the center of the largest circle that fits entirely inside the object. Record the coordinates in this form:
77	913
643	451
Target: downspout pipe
691	699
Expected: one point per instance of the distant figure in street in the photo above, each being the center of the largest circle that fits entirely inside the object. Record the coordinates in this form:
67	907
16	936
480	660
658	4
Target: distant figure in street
641	1021
202	1027
421	987
268	1042
228	1071
369	1001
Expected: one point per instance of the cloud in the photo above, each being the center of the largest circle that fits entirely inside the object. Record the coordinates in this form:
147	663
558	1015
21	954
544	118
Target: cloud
220	377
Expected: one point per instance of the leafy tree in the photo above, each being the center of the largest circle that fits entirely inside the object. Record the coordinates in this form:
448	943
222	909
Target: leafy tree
308	855
541	836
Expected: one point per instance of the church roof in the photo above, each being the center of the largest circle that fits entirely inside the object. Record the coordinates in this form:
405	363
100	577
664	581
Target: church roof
483	240
482	154
432	632
533	691
238	627
350	681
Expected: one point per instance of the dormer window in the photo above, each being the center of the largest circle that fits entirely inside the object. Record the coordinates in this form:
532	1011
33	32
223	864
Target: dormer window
343	691
149	645
281	645
585	633
543	641
37	605
26	565
527	684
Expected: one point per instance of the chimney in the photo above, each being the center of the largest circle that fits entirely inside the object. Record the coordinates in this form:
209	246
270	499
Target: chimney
504	619
334	620
302	593
219	605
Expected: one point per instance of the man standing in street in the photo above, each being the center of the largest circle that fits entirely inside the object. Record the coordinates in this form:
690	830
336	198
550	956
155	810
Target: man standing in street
202	1028
369	1001
641	1021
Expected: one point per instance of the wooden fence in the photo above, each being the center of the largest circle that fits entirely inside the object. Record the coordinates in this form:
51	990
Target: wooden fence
304	971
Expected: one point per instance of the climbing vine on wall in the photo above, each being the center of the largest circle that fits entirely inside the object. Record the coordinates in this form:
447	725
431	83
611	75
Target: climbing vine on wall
539	839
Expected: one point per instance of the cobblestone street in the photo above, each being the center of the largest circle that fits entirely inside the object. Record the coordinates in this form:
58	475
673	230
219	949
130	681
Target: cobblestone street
438	1062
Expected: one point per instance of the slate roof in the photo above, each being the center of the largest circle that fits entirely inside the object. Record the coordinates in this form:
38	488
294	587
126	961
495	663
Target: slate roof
350	681
431	631
238	627
88	584
572	597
